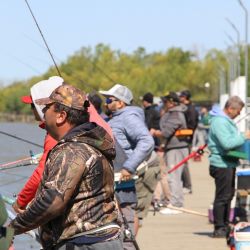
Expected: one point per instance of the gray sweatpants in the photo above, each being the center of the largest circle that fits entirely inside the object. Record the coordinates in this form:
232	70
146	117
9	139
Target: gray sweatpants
172	158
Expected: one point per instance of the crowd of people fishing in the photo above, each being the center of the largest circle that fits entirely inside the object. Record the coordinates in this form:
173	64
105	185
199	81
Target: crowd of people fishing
100	172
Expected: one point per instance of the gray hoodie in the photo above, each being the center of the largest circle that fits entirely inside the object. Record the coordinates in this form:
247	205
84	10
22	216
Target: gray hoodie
170	122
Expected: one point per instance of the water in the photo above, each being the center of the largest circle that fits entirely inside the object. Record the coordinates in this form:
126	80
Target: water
12	180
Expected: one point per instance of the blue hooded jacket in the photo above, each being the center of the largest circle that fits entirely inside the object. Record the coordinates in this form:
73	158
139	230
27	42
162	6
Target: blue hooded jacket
223	136
129	129
131	133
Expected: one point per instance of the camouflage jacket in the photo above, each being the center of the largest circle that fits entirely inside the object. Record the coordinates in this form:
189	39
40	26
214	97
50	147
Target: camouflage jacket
76	193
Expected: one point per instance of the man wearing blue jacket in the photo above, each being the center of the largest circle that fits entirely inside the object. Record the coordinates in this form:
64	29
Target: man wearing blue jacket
224	136
130	131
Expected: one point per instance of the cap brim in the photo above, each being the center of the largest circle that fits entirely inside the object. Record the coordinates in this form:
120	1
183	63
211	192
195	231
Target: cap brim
105	93
27	99
43	101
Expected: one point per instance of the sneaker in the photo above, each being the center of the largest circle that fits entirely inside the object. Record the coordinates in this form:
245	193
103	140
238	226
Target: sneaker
168	211
187	191
220	233
156	205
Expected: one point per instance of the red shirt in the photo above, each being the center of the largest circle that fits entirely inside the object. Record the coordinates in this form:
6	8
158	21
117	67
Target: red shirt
29	190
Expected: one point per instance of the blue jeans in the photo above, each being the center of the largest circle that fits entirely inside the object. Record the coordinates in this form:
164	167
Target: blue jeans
115	244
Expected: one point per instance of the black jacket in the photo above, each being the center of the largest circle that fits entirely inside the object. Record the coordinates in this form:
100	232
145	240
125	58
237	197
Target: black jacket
152	117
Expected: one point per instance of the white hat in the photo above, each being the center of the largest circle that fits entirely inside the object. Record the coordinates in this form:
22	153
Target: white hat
43	89
120	92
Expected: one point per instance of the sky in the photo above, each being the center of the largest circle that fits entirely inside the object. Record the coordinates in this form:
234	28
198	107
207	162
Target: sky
68	25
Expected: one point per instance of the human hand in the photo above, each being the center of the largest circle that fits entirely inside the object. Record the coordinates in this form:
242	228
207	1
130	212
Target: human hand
247	134
155	132
17	208
125	175
152	131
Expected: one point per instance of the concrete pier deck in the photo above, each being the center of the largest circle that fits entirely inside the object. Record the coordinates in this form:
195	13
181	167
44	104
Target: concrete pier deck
184	231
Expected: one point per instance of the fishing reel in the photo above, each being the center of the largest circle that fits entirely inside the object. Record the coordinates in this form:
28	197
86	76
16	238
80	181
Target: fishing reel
127	235
200	151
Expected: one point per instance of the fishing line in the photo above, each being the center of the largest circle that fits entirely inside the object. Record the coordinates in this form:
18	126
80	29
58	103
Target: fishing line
58	71
21	139
27	65
73	76
46	44
11	182
8	194
17	175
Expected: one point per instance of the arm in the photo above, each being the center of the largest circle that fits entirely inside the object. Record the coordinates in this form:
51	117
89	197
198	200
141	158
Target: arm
30	188
170	124
143	142
227	136
63	174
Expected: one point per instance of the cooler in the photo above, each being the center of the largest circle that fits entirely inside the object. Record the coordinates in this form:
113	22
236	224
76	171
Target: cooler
243	178
242	208
242	236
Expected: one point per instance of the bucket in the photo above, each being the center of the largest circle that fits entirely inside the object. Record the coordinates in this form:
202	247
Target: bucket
242	236
211	215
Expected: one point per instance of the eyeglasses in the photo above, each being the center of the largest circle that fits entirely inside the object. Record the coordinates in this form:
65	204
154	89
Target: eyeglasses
110	100
47	106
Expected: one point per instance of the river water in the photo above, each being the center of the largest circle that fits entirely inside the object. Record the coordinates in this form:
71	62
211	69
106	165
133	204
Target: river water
12	180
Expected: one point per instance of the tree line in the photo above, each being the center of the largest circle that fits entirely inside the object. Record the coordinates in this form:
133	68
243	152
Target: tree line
93	69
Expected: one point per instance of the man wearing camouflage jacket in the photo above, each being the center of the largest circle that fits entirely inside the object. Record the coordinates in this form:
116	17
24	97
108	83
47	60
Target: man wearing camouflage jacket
74	205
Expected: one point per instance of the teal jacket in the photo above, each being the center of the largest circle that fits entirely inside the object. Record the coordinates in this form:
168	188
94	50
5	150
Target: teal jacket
223	137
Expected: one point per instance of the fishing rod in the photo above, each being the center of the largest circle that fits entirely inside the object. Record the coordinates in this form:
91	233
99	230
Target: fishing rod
8	200
199	151
33	159
31	12
243	117
93	63
21	139
17	166
46	44
80	80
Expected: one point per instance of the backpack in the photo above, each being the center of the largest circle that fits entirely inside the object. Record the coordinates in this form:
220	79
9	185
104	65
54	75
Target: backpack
192	117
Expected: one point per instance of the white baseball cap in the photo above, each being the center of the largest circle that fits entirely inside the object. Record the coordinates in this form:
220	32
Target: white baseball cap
120	92
42	89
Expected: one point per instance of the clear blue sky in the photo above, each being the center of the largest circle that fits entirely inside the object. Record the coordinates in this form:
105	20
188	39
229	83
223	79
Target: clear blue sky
68	25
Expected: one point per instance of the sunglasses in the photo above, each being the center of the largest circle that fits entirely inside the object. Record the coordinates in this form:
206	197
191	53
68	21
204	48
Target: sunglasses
109	100
47	106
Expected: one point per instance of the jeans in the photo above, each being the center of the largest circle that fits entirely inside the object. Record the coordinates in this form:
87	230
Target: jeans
224	191
114	244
